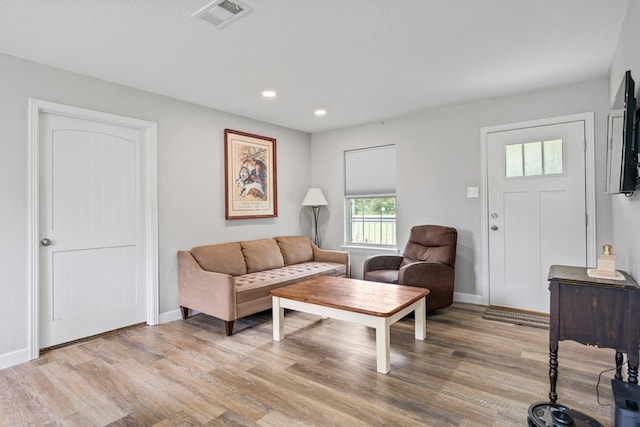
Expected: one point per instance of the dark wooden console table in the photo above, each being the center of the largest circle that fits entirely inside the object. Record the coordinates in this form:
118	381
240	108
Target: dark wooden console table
597	312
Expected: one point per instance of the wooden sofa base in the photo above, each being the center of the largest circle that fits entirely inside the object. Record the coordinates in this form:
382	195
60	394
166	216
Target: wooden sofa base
228	327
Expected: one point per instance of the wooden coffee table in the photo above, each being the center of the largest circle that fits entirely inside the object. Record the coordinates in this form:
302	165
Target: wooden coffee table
373	304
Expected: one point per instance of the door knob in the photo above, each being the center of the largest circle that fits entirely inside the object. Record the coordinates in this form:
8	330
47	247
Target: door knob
45	242
494	227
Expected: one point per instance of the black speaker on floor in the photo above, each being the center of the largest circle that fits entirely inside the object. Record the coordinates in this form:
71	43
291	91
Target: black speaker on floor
626	400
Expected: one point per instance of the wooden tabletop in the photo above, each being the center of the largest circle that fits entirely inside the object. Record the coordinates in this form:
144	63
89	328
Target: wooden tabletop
360	296
578	275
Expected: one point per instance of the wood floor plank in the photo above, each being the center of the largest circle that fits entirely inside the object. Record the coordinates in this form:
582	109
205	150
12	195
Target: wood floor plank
80	393
18	406
359	403
468	372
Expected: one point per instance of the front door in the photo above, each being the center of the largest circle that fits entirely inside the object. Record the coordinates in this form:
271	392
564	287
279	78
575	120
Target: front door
536	208
92	258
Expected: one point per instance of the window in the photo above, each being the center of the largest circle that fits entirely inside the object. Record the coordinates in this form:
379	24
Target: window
372	220
370	186
533	158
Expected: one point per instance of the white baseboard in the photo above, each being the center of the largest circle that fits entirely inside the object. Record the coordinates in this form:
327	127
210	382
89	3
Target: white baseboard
14	358
469	298
169	316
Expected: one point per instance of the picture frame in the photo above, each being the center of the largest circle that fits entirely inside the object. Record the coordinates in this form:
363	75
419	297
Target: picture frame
250	171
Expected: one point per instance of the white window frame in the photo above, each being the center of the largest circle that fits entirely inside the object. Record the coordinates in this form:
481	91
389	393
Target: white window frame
349	222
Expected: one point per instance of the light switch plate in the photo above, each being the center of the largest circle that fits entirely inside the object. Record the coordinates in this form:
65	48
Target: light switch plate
473	192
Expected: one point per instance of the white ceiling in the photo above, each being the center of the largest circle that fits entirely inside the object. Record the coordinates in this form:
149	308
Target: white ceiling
362	60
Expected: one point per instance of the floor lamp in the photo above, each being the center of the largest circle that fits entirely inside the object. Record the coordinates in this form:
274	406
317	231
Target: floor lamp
315	198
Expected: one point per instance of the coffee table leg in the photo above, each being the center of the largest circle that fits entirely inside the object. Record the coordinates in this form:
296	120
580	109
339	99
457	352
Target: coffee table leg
278	320
421	319
383	344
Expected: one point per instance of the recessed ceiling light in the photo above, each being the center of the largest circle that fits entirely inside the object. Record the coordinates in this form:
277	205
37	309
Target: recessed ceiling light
269	93
320	112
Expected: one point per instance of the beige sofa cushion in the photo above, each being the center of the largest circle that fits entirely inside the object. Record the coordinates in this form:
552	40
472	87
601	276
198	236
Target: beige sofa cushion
262	254
295	249
226	258
253	286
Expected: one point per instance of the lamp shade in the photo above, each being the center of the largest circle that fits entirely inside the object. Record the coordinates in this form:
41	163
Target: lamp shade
314	197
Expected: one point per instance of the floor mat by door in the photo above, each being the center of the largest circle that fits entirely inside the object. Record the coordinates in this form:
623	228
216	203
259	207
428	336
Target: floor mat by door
517	317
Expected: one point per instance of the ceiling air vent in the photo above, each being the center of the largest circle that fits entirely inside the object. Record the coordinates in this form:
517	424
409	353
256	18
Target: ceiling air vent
222	12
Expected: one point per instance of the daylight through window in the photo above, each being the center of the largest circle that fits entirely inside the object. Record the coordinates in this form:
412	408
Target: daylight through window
534	158
373	220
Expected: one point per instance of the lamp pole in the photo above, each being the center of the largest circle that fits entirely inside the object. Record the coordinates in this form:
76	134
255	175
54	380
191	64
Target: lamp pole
316	212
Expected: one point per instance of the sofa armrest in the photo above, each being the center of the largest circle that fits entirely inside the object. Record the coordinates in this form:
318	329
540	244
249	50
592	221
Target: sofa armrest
427	275
205	291
326	255
382	262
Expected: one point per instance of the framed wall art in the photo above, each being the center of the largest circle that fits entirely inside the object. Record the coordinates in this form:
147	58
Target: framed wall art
250	176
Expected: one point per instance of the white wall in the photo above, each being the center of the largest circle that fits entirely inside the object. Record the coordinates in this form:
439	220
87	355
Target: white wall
626	210
190	179
438	157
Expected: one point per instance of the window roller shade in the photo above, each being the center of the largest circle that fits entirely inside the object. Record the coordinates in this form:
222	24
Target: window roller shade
370	171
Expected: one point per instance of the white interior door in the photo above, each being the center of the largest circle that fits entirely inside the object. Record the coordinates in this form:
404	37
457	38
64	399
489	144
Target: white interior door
537	210
91	254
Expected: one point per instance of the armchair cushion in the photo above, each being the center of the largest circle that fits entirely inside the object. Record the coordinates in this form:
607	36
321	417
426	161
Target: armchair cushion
431	243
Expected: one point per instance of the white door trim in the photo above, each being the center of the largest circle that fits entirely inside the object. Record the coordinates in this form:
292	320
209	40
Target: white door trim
588	119
149	164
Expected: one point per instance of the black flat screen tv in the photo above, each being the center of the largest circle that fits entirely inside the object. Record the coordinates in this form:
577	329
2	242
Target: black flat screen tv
623	141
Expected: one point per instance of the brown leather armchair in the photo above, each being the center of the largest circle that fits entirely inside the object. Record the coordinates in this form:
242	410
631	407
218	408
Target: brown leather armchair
428	262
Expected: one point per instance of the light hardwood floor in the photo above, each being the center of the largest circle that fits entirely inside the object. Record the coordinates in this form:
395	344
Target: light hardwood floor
468	372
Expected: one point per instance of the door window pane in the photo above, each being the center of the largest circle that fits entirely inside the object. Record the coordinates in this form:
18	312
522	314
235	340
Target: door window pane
553	156
533	158
513	156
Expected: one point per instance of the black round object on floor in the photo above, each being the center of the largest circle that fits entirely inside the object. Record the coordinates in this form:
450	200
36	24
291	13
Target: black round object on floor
553	414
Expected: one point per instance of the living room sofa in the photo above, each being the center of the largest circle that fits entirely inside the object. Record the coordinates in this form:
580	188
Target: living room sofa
233	280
